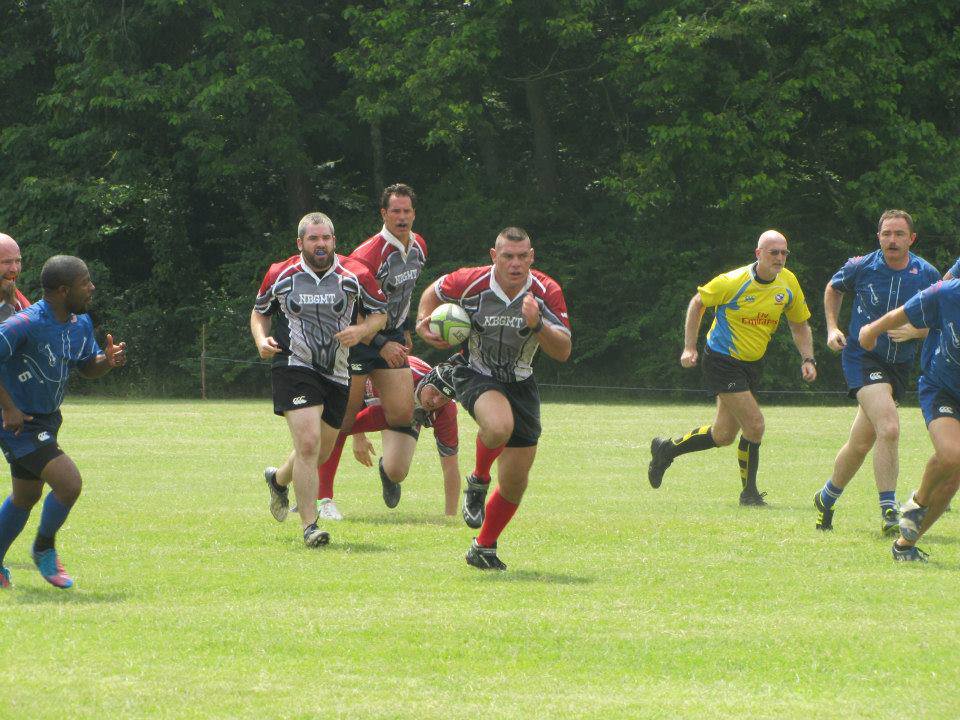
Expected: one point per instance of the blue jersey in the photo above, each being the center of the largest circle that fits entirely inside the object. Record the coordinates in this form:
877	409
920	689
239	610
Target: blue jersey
878	289
36	355
955	269
938	308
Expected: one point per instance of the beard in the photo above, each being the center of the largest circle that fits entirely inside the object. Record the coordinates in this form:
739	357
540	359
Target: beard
8	291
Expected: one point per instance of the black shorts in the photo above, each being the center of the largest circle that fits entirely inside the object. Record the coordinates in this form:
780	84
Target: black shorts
364	358
866	369
725	374
29	452
523	396
296	387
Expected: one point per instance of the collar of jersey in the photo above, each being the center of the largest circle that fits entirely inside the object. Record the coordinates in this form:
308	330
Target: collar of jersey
309	270
395	241
498	291
753	274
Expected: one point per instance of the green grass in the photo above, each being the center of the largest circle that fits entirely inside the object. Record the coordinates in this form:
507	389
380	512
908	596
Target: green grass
620	601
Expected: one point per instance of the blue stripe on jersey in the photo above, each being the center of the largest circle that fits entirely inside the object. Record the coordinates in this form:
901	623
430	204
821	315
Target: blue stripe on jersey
721	339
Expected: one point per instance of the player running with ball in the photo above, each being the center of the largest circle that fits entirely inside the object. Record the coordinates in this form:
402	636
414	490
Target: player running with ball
514	311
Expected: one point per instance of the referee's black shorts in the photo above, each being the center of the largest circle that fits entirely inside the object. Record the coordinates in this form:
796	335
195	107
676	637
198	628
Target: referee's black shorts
725	374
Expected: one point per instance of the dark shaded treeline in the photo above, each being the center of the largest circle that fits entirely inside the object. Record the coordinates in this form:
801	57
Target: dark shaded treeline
644	145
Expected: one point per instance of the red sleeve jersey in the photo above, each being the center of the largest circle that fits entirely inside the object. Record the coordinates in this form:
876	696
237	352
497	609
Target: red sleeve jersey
500	343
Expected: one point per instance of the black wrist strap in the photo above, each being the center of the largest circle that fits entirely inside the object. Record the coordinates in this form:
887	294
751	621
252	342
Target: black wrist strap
378	341
539	326
810	360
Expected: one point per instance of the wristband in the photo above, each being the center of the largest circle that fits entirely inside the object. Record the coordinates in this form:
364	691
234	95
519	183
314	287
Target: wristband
539	326
378	341
810	360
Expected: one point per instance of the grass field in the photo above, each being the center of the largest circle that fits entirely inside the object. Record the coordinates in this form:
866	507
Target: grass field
619	601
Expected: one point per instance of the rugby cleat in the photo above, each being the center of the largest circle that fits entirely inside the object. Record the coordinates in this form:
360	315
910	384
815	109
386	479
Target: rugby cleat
4	578
327	509
825	516
50	567
911	518
752	498
908	553
314	536
279	496
891	521
660	460
391	489
484	558
474	497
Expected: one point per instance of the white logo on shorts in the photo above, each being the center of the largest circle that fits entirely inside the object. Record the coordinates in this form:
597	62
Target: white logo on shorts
299	400
356	367
876	376
945	409
44	436
730	386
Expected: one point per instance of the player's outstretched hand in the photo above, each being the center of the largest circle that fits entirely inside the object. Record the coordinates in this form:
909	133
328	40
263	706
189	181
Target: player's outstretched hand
116	353
268	348
688	358
13	419
836	340
363	450
868	338
905	332
431	338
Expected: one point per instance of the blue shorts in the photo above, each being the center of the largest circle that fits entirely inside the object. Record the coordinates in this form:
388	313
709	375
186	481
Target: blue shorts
35	446
866	369
937	402
364	358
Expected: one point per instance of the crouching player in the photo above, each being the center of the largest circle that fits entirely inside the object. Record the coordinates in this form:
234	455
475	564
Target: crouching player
936	308
54	337
513	311
433	392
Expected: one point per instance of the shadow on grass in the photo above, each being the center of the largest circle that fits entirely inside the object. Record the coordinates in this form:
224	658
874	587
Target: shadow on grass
432	520
537	576
73	596
353	547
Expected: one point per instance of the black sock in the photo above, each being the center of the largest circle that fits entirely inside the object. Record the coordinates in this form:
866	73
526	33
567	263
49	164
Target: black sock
697	439
748	456
383	474
42	542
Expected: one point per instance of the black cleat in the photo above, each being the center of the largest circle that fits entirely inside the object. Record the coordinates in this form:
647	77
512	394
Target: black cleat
752	498
825	517
908	553
391	489
279	496
484	558
314	536
661	460
473	502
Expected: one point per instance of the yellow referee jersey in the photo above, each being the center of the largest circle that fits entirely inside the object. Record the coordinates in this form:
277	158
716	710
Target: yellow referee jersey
748	310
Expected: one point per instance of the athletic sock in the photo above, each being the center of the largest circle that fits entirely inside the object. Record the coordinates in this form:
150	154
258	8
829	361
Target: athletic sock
12	521
485	459
697	439
52	517
327	472
829	494
748	456
888	500
498	514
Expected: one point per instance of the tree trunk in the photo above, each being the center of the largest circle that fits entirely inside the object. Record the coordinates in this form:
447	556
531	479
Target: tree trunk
376	147
544	146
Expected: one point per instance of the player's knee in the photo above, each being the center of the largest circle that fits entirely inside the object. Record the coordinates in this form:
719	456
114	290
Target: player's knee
396	471
308	447
26	496
753	428
401	418
497	433
722	437
949	459
888	432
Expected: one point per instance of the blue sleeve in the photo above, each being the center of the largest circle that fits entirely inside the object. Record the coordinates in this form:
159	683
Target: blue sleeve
13	333
955	269
845	279
923	309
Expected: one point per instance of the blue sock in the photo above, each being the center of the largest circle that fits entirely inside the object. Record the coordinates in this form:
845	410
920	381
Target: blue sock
830	494
888	500
12	520
52	517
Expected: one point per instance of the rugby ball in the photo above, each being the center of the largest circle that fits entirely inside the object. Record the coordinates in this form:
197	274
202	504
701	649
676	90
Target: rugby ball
451	323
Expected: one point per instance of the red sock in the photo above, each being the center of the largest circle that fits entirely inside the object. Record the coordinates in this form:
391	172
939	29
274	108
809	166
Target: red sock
499	513
485	458
369	419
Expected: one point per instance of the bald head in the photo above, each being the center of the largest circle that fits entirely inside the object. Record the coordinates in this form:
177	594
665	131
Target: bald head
10	266
771	238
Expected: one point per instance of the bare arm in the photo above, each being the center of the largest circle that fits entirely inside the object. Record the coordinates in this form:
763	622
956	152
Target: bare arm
691	330
803	339
554	341
369	326
267	347
114	355
13	418
832	299
451	483
429	302
870	332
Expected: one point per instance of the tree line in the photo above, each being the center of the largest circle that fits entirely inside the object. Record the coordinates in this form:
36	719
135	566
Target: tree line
173	144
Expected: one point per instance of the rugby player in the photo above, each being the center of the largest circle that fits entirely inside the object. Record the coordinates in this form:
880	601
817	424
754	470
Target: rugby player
55	335
748	302
432	408
11	299
880	281
315	295
935	308
395	257
514	310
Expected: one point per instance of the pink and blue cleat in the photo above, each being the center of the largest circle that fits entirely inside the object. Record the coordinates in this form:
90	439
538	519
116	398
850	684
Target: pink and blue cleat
51	568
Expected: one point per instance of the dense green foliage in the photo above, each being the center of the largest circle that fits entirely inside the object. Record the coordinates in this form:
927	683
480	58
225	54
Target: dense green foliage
644	145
